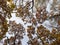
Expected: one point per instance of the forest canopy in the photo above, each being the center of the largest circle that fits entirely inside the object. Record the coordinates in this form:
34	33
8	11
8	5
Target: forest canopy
35	13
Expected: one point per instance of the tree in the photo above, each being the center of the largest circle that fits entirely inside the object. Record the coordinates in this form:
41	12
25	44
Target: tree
38	35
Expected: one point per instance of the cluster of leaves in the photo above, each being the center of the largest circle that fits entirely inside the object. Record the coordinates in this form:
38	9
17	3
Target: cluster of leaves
12	41
45	37
3	26
30	30
41	14
23	10
5	11
18	31
6	8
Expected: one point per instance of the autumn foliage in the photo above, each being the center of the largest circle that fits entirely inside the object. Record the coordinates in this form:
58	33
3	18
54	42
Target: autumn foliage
38	35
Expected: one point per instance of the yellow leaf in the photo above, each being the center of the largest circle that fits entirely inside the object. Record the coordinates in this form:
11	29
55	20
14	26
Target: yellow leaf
9	2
